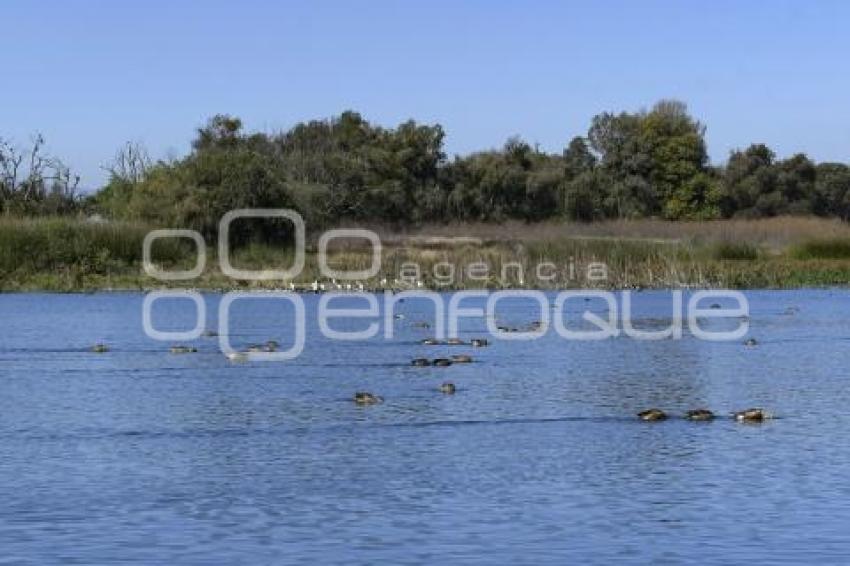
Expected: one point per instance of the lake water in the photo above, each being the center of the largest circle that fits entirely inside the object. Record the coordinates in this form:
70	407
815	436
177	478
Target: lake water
141	455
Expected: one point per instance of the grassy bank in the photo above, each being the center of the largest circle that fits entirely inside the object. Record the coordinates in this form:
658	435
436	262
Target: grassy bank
76	255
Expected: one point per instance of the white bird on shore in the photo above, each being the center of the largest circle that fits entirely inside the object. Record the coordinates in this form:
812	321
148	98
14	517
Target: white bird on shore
315	286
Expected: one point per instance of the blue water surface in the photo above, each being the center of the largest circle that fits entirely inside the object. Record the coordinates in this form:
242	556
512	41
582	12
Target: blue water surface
139	455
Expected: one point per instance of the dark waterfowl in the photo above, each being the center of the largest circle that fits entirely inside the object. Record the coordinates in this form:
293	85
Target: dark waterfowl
479	342
366	398
455	342
421	362
442	362
652	415
182	349
462	359
699	415
448	388
715	306
507	329
272	345
430	342
100	348
209	333
754	415
751	343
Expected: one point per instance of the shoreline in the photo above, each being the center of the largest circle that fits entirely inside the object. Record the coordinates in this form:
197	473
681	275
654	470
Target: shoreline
307	291
72	255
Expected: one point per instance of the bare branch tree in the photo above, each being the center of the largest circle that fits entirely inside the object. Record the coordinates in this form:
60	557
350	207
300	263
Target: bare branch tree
35	181
130	164
10	164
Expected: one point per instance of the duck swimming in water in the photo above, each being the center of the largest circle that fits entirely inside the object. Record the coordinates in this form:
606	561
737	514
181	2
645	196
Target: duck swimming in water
237	356
448	388
652	415
455	342
442	362
100	348
430	342
182	349
755	415
462	359
479	342
751	343
699	415
421	362
366	398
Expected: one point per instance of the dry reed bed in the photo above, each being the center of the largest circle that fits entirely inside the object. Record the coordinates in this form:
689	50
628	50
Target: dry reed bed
69	254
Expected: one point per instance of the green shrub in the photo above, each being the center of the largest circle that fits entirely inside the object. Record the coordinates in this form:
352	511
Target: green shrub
48	244
835	248
734	251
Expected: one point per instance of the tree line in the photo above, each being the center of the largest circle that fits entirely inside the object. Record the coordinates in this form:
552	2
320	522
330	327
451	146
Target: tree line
650	163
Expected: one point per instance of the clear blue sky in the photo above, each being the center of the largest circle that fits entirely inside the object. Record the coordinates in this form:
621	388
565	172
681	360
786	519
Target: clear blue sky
92	75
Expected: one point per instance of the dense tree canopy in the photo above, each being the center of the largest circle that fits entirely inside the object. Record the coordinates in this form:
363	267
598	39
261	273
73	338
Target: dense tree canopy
647	164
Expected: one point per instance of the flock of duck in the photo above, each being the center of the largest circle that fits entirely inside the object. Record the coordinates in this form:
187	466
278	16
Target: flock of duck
754	415
363	398
447	388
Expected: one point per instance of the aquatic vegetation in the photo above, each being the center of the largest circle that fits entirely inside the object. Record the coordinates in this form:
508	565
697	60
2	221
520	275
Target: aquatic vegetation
735	251
834	248
69	254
